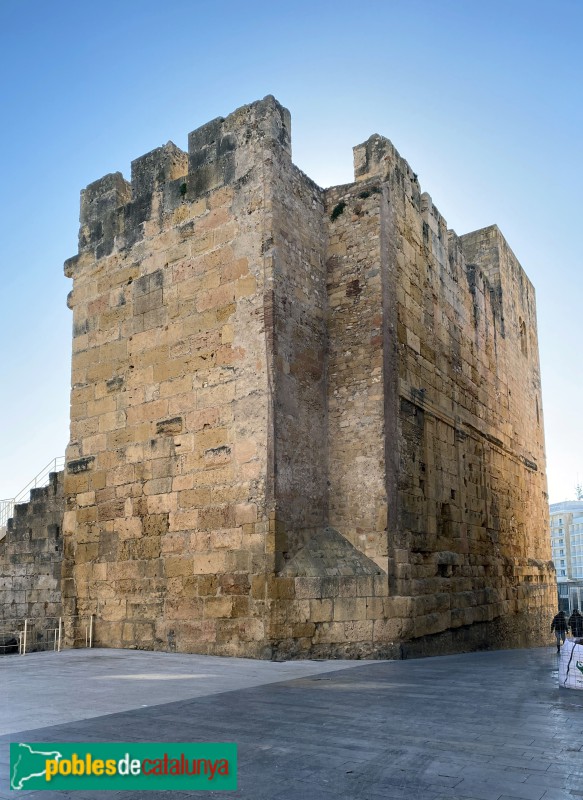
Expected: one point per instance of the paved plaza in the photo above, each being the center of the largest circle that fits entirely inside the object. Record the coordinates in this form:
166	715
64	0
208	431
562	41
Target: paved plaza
490	726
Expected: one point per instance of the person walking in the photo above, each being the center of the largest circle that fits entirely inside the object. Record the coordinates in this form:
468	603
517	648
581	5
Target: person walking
559	626
576	623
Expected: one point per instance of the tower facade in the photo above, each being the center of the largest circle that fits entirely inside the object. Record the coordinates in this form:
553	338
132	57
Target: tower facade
303	421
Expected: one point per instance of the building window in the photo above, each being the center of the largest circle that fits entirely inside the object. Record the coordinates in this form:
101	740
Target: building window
562	573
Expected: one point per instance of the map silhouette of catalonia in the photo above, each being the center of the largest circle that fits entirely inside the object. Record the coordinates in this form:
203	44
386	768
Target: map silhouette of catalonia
30	764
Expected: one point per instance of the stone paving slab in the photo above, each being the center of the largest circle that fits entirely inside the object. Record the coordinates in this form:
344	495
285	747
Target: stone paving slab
487	726
49	688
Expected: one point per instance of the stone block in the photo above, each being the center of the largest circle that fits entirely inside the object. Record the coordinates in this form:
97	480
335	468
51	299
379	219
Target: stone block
321	610
178	566
209	563
218	607
308	588
349	608
329	633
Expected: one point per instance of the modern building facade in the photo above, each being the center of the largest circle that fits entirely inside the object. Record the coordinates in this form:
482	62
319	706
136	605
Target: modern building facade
567	551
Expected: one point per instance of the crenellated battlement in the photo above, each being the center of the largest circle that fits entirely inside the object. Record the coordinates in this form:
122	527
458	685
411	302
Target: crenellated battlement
378	157
159	166
220	153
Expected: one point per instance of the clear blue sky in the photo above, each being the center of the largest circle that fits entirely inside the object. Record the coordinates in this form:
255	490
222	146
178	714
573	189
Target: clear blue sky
483	100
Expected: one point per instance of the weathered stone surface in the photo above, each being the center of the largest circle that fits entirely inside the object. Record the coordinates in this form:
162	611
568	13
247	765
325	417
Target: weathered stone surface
302	420
8	645
31	555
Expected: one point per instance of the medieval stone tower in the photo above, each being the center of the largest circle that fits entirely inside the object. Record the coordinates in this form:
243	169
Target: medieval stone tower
303	421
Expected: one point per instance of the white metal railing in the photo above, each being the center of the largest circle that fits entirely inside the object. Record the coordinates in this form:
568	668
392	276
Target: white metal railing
33	635
40	480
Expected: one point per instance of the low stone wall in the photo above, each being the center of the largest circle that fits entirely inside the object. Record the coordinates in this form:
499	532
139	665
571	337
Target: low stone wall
31	555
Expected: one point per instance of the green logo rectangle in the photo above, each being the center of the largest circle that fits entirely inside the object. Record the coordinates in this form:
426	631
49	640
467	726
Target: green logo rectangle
117	766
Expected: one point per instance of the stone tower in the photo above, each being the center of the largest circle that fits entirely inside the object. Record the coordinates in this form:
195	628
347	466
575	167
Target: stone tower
303	421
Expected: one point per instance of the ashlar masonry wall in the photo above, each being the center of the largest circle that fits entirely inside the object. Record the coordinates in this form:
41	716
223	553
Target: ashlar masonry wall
31	555
170	467
467	531
303	421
